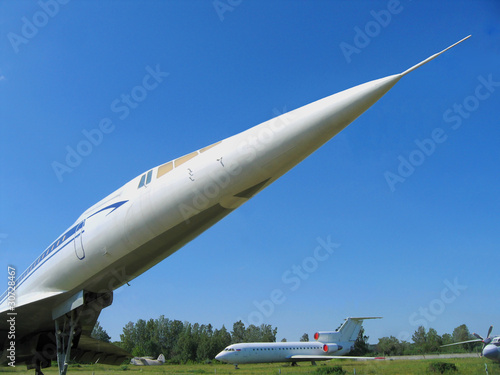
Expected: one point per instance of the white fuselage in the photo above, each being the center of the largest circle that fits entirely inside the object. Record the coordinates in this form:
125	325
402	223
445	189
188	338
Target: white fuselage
492	350
63	291
159	211
268	352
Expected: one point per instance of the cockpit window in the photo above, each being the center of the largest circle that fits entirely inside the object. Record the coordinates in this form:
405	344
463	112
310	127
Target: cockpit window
142	182
145	179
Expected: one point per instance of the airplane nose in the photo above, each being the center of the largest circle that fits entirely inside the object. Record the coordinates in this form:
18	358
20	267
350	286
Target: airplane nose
490	352
220	357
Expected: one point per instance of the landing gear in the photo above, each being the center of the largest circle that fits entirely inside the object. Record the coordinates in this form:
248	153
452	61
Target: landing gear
65	333
38	370
294	364
313	363
236	367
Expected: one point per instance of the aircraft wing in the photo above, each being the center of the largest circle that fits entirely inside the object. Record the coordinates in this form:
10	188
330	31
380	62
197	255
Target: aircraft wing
30	298
96	351
328	357
462	342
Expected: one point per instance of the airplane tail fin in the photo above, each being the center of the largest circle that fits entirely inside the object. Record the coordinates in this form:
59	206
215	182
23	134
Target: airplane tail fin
348	331
161	358
350	328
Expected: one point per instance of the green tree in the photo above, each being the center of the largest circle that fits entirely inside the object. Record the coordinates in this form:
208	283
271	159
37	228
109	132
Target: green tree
268	333
389	346
461	333
252	334
420	340
205	344
447	338
433	341
304	338
360	346
221	339
128	337
186	346
100	334
238	333
175	330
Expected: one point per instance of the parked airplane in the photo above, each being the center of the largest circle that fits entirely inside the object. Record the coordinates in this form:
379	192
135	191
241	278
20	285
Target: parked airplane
338	343
148	361
491	345
53	305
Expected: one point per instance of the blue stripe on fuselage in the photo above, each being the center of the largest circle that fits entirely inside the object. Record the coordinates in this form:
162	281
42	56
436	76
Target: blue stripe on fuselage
55	247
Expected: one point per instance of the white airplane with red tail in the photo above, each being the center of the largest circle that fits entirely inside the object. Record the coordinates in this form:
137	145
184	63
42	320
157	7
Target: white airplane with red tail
328	345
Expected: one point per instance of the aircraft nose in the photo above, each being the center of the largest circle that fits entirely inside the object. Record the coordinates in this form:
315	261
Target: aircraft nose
220	357
490	352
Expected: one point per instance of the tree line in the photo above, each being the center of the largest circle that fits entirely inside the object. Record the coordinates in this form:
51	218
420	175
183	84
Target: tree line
182	342
426	342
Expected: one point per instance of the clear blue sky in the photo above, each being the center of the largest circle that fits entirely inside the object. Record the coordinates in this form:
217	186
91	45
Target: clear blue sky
65	68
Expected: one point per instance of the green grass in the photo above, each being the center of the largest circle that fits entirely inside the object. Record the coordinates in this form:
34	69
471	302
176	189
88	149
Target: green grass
466	366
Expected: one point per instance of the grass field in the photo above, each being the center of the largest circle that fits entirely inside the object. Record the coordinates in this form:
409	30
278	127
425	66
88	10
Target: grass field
467	366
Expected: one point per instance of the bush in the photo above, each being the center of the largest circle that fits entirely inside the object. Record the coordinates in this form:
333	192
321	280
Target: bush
331	370
442	367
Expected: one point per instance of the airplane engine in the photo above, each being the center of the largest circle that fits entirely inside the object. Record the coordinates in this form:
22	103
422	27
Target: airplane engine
330	348
327	336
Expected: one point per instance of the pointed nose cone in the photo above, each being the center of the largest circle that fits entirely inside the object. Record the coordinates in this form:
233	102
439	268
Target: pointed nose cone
339	110
298	133
220	357
267	151
307	128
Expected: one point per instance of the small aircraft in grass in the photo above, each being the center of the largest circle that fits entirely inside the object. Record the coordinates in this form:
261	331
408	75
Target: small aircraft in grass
328	345
491	345
148	361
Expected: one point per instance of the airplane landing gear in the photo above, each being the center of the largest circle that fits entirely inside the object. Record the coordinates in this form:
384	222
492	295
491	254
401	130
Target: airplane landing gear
65	330
38	370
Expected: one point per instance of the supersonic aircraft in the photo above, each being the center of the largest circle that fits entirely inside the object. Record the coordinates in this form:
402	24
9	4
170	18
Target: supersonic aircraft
48	311
328	345
491	345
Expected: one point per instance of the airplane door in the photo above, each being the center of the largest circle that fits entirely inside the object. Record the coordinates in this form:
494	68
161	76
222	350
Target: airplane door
79	251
